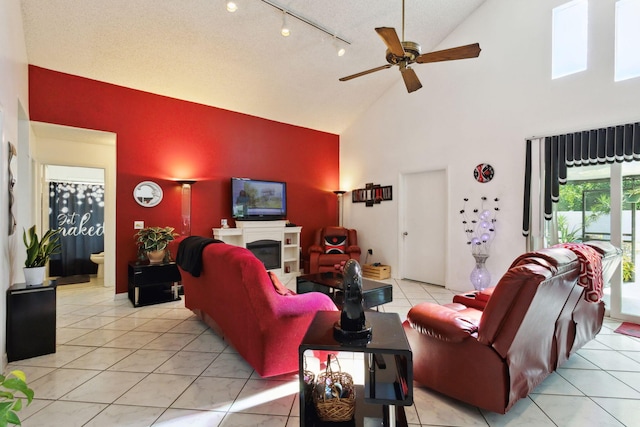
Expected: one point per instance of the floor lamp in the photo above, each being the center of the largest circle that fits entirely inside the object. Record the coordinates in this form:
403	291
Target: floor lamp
339	194
186	207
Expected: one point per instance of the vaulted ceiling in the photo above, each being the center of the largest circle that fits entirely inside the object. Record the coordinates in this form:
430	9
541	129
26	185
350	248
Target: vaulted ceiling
197	51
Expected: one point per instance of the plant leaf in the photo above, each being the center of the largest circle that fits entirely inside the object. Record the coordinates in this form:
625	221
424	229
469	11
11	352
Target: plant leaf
12	417
18	374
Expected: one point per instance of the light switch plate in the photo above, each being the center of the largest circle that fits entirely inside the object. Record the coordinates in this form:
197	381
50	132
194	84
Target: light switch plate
138	225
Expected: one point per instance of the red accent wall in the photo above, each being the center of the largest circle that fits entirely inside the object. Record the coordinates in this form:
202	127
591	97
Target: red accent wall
164	139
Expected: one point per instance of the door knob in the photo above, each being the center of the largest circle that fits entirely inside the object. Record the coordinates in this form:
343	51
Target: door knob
405	234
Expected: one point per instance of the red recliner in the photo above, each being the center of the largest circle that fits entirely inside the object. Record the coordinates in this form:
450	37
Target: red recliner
580	320
493	357
331	247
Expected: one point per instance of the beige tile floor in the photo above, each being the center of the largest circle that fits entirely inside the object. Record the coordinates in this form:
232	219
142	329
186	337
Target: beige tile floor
158	365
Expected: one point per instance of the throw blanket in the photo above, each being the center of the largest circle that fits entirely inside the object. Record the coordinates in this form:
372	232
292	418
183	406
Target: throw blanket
189	256
590	269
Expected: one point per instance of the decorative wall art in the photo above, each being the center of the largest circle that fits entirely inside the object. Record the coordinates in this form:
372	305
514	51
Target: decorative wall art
372	194
12	182
148	194
483	172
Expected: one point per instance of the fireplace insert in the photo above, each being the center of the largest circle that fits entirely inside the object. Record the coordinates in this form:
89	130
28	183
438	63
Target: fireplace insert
267	251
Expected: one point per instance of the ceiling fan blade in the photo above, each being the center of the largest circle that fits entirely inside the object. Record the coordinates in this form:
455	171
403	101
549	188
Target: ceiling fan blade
390	38
460	52
410	78
363	73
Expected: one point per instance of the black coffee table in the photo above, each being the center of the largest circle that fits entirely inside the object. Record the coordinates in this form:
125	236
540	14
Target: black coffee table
330	283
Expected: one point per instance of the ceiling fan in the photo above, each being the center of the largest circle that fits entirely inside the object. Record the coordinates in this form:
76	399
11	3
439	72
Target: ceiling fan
404	53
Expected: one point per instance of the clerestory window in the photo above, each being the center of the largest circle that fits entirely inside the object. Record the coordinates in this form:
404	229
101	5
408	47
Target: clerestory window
569	38
627	60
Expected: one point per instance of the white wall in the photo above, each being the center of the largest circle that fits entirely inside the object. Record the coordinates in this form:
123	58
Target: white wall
480	111
13	93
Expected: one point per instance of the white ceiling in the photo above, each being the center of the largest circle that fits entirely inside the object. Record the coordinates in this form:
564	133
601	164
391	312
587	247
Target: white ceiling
195	50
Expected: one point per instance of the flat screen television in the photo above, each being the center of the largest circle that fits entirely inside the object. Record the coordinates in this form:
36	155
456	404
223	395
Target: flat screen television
253	199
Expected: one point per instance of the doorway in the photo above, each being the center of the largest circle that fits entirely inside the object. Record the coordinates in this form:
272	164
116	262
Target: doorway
424	219
85	148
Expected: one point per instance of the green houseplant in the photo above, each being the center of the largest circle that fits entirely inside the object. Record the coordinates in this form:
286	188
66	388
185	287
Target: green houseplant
38	253
10	386
152	243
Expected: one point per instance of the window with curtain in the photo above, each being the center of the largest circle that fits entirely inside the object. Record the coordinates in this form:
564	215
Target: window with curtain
589	147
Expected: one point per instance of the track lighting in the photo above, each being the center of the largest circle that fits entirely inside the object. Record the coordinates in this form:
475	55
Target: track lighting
231	6
285	28
286	32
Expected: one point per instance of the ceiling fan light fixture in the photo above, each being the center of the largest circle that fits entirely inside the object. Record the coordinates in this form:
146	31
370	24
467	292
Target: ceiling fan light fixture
232	6
284	30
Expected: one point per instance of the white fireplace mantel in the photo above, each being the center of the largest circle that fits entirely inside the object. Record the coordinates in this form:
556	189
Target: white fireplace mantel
252	231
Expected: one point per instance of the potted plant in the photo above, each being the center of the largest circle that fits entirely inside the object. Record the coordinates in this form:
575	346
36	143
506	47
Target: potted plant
152	243
38	253
10	403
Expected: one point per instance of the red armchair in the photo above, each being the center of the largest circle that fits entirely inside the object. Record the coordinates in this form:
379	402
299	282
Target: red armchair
332	246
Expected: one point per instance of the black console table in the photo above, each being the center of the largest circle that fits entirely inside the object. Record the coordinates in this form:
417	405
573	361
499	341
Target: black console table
31	320
388	385
153	283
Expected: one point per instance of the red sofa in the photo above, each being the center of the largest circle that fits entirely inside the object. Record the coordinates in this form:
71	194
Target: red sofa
235	296
494	356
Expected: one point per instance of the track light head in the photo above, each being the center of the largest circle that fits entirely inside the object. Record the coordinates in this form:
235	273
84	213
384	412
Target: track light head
284	30
340	50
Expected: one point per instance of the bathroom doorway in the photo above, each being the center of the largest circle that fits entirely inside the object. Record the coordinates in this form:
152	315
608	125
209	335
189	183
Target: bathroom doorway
75	197
84	148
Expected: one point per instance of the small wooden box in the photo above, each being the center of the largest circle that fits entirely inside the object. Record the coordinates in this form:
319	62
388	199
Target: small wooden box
376	271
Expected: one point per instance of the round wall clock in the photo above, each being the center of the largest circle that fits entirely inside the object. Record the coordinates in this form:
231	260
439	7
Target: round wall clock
483	172
147	194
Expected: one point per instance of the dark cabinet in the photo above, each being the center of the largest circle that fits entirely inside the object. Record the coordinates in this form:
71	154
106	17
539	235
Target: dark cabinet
31	320
153	283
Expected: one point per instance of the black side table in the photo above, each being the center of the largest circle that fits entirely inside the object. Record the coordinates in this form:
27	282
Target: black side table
153	283
388	385
31	320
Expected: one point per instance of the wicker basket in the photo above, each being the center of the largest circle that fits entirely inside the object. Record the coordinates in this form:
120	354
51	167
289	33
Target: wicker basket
342	403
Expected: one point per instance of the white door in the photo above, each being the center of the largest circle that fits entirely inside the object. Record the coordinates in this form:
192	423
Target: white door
424	213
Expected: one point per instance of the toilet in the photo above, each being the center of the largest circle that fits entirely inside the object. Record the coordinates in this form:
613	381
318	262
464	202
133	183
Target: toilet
98	258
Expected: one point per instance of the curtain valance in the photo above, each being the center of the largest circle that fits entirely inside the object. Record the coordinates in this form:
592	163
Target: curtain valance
590	147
